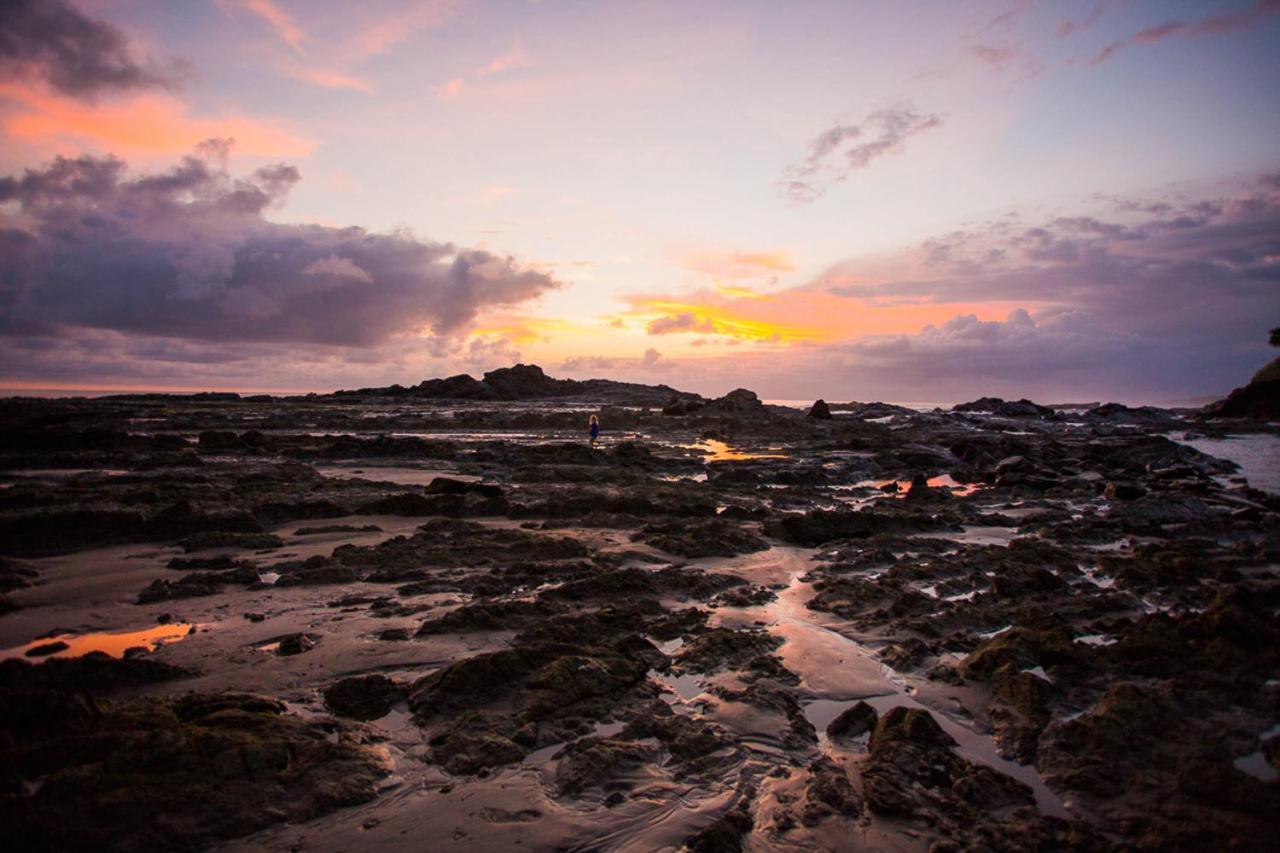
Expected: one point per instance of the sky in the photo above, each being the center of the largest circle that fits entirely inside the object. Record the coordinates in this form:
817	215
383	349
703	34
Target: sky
912	201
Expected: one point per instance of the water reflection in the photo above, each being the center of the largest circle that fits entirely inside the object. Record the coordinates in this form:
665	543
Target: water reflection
113	644
719	451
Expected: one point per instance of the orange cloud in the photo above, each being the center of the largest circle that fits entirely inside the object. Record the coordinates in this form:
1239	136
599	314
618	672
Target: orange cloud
663	316
448	89
513	58
796	315
737	265
151	123
520	329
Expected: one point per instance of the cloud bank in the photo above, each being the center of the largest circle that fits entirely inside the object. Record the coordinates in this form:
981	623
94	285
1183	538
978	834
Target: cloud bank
189	256
77	56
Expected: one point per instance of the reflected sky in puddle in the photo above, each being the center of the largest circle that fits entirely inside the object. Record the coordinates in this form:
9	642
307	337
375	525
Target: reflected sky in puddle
719	451
113	644
943	481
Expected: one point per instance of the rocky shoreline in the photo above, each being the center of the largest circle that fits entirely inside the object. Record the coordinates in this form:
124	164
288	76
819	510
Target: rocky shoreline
383	620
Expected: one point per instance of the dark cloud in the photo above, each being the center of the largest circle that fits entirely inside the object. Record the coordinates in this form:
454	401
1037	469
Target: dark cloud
76	55
1184	295
686	321
1225	22
189	255
847	147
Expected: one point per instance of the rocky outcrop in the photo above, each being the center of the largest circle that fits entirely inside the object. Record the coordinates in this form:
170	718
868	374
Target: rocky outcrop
170	773
820	411
1005	408
1259	400
523	382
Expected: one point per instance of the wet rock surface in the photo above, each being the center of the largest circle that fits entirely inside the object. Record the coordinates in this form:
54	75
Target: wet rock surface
729	626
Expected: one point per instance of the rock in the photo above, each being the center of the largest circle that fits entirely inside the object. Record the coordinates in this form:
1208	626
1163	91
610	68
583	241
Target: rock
725	835
366	697
1006	409
820	411
255	541
1124	491
828	791
740	401
906	654
820	526
95	671
594	762
683	404
1260	399
45	649
710	538
852	722
1020	647
722	648
296	644
179	773
337	528
909	725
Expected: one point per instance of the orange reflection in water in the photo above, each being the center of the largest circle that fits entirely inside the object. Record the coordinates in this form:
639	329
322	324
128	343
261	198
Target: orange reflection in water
102	641
943	482
718	451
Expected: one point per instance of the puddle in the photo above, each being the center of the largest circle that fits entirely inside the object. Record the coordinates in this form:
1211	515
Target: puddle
719	451
400	475
1096	640
102	641
945	481
680	688
976	535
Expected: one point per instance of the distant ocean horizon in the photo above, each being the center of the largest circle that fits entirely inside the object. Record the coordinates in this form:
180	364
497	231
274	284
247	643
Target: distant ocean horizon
795	403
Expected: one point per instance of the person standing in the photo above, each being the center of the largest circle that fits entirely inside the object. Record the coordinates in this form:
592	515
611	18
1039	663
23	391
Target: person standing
594	427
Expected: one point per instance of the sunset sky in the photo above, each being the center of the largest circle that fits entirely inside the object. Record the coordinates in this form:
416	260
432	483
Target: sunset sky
904	201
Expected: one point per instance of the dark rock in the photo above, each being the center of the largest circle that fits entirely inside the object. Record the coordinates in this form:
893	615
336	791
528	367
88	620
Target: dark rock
337	528
909	725
996	406
711	538
596	762
820	411
1260	399
94	671
828	791
1124	491
46	649
852	722
366	697
296	644
179	773
233	539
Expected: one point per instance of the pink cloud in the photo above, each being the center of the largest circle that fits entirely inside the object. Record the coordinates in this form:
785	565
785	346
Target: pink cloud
1226	22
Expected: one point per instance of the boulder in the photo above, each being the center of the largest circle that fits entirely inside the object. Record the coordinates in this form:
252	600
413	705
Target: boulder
820	411
853	722
365	697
